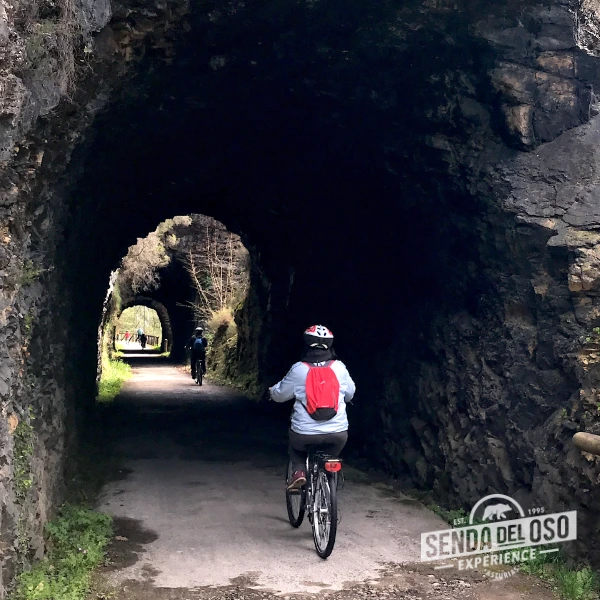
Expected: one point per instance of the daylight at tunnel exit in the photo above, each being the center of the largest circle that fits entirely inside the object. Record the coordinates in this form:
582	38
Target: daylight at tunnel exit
299	299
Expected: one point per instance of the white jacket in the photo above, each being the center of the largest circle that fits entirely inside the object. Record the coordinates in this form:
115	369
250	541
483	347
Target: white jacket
293	385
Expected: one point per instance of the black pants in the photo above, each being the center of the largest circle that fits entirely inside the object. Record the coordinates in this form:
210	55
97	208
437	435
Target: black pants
333	442
196	356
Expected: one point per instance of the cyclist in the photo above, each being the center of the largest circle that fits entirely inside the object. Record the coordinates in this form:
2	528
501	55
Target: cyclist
198	344
305	429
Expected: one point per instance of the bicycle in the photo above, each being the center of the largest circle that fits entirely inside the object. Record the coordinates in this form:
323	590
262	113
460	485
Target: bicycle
199	370
319	496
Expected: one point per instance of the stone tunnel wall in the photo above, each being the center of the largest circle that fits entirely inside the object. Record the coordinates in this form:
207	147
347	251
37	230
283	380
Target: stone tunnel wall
504	378
479	391
50	90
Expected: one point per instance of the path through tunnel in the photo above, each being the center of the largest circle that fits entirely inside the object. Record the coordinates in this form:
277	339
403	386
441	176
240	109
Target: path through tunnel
198	500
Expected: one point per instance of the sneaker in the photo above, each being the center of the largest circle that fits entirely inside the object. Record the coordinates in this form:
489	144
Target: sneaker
297	481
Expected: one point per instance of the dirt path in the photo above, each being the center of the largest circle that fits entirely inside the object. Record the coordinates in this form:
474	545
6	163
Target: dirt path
200	510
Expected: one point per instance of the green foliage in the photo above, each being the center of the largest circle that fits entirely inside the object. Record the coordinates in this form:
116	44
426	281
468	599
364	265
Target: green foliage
540	564
23	451
451	516
28	324
30	273
594	336
76	542
114	374
571	583
579	584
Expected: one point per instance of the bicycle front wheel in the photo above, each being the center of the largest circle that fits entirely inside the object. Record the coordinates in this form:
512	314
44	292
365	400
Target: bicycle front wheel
324	509
295	501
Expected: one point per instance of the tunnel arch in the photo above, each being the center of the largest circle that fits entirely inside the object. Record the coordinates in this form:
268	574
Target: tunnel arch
161	311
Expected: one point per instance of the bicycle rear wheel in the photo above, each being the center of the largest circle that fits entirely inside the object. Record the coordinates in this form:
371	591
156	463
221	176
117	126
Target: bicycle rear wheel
199	372
325	520
295	501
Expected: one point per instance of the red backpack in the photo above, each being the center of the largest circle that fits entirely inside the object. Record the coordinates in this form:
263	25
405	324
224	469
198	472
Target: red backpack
322	391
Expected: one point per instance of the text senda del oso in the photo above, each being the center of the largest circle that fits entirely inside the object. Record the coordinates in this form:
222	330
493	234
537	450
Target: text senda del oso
499	537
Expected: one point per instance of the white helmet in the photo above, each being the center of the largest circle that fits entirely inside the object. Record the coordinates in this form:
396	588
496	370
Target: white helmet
318	336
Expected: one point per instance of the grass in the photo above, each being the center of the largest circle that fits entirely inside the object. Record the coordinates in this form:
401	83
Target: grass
76	540
570	583
114	374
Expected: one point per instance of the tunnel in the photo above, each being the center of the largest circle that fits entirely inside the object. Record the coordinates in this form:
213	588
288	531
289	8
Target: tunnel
162	313
420	177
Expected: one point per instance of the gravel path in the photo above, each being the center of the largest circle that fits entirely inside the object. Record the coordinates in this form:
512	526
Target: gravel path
200	510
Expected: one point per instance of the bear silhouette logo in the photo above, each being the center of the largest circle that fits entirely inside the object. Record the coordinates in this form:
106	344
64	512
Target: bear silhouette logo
496	512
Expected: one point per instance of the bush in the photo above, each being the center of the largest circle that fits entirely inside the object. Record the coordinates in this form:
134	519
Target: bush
220	318
76	542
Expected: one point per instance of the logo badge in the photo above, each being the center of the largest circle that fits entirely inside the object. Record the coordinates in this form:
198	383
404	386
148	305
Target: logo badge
497	536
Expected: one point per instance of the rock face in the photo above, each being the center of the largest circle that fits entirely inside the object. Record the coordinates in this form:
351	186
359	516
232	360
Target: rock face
439	158
44	56
502	388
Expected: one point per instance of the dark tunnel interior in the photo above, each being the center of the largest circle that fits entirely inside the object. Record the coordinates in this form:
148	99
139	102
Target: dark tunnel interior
306	139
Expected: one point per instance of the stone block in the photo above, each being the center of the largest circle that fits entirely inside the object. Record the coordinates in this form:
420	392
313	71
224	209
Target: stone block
519	123
558	63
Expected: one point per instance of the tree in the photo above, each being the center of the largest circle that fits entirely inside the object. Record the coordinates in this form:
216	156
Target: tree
217	263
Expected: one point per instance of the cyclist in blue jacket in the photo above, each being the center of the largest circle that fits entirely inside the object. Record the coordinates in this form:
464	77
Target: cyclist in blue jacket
198	344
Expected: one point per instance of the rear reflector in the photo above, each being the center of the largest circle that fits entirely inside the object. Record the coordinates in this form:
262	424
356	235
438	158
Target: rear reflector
333	466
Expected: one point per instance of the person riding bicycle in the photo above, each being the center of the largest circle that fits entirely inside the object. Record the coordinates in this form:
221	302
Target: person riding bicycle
327	427
198	344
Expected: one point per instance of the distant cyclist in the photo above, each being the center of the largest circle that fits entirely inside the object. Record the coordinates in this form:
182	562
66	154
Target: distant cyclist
198	344
321	386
